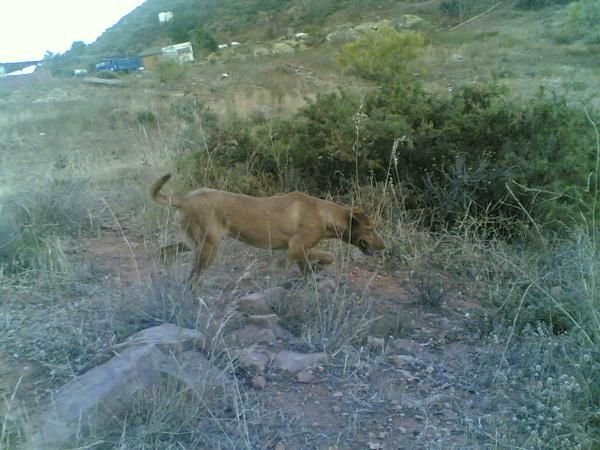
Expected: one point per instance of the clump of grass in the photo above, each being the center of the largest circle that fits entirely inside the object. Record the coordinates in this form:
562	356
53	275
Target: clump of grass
174	415
34	224
429	291
169	71
553	393
328	319
12	420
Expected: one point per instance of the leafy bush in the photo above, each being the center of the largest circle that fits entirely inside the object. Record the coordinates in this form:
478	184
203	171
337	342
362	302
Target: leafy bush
473	152
582	22
204	42
32	225
146	118
169	71
381	55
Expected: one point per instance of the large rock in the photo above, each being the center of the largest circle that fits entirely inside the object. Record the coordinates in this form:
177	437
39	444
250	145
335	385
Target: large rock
350	33
254	359
408	21
259	51
260	302
168	337
87	401
373	26
281	48
294	362
91	400
250	335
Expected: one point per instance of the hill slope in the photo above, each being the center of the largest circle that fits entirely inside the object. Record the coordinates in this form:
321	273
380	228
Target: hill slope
252	20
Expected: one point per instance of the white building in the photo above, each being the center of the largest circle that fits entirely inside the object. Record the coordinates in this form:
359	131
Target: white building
165	16
179	52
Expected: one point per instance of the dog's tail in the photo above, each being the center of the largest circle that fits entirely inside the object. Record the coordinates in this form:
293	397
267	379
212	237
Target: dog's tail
161	198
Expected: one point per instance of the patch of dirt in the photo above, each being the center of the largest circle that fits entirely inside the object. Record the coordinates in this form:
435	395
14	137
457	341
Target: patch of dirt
421	388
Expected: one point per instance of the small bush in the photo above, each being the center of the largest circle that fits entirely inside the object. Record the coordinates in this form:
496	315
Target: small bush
146	118
381	55
33	224
169	71
582	22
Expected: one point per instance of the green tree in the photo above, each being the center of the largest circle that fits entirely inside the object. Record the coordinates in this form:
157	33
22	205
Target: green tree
203	41
381	55
181	28
78	48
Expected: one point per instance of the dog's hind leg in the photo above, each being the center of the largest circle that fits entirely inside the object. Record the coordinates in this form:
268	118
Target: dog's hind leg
205	246
204	256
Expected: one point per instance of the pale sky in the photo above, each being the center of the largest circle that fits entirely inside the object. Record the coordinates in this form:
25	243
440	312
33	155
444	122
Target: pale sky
31	27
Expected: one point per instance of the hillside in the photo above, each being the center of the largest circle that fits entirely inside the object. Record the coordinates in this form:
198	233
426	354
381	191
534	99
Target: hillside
520	43
249	21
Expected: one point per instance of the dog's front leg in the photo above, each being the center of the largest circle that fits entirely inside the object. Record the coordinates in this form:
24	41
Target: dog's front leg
307	257
320	257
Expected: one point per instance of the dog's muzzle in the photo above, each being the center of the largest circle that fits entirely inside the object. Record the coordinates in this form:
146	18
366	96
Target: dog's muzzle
365	248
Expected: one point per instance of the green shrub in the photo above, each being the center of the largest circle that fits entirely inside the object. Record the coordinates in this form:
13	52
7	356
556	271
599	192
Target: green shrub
381	55
169	71
474	152
146	118
33	224
582	22
204	42
227	158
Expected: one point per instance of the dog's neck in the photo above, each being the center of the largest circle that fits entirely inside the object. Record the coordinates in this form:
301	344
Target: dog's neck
338	223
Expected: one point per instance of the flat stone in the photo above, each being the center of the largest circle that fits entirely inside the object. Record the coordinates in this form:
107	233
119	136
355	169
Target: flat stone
104	391
293	362
167	337
254	359
250	335
305	376
268	321
92	400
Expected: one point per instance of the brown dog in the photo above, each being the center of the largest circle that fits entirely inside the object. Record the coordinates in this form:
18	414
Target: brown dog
295	222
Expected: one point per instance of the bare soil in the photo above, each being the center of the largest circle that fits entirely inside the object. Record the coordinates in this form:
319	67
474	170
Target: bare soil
423	386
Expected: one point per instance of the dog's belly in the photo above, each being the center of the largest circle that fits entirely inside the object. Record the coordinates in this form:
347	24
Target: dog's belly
261	243
260	239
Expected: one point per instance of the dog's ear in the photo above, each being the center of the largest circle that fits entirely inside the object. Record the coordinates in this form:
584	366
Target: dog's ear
358	218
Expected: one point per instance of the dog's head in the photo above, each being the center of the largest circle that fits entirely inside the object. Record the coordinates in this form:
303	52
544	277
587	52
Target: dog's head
362	233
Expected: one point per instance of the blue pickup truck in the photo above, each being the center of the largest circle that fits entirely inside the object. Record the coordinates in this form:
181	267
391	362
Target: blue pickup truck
120	64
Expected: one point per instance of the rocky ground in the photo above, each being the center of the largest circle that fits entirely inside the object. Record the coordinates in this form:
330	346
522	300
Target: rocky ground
379	364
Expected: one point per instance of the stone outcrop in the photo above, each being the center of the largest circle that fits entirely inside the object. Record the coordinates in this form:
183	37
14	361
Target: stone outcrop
350	33
144	360
92	400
